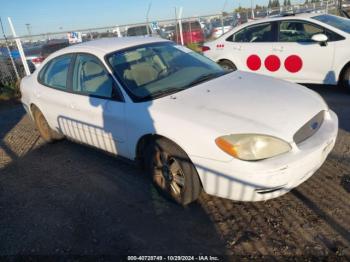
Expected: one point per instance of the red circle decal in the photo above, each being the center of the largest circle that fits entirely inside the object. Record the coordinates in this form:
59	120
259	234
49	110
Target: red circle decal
254	62
272	63
293	63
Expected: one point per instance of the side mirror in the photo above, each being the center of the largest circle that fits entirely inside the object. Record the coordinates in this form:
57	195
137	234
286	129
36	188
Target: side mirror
320	38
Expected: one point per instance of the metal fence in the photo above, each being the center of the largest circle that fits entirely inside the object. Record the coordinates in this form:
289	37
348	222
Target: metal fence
191	31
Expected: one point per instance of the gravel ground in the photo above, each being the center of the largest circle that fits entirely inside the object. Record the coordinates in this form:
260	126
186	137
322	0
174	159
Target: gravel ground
66	199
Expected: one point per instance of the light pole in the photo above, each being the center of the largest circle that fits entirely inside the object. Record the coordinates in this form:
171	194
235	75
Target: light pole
147	17
222	16
29	31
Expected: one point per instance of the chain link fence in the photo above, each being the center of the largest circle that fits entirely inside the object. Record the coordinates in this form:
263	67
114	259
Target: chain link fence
195	31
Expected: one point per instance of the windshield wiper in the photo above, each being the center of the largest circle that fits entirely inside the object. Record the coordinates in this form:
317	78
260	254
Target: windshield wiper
162	92
204	78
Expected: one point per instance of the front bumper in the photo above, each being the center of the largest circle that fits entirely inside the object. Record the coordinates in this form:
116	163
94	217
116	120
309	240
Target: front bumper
270	178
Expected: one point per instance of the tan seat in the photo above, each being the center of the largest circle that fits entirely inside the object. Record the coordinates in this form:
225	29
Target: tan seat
95	80
141	73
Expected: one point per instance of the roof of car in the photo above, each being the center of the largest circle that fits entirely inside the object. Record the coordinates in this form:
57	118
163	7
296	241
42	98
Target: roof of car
107	45
284	17
274	18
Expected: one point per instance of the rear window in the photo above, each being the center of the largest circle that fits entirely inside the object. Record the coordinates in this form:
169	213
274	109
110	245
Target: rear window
55	73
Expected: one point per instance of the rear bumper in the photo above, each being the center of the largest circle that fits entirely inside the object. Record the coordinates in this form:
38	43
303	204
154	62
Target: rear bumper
270	178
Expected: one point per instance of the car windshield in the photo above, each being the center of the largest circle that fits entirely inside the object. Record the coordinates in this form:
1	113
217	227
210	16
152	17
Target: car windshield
154	70
335	21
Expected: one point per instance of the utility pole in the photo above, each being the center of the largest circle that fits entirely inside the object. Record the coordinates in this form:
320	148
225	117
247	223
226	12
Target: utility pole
9	51
252	9
147	17
29	29
222	16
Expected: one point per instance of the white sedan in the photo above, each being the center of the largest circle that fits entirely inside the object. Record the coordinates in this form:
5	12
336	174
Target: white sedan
187	121
305	48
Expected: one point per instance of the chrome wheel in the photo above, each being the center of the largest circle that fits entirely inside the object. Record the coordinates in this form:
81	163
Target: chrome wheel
168	175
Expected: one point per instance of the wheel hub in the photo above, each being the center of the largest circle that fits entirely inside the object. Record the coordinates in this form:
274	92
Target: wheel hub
167	173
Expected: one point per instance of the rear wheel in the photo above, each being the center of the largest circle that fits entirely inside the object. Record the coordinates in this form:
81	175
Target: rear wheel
172	172
43	127
227	65
345	78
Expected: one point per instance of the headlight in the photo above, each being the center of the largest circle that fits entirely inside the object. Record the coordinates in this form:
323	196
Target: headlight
252	146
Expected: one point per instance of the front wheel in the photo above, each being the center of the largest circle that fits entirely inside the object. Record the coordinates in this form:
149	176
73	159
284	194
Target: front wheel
172	172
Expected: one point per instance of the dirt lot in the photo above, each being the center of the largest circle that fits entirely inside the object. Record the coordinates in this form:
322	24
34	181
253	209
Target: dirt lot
67	199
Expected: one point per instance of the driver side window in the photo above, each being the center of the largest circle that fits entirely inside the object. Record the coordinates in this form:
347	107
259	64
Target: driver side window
91	78
296	31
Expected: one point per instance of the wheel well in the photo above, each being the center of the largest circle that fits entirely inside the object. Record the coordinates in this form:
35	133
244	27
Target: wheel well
343	71
223	60
141	146
144	141
33	108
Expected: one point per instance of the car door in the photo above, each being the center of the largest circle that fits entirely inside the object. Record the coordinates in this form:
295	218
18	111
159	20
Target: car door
304	60
251	46
96	108
51	94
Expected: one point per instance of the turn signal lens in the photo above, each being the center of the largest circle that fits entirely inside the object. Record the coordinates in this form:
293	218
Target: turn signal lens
252	147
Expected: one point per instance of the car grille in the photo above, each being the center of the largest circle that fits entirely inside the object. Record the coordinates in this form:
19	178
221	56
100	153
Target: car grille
310	128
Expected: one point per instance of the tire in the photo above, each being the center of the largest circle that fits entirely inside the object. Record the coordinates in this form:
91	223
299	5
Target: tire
172	172
43	127
345	78
227	65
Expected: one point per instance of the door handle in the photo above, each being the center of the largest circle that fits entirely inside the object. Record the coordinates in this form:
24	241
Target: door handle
238	48
278	49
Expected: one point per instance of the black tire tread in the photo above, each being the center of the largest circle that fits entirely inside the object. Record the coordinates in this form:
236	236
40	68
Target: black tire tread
193	186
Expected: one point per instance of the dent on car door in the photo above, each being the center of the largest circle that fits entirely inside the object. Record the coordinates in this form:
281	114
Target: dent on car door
303	60
96	111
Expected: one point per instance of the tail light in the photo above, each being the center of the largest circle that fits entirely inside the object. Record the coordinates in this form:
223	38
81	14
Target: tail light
205	48
37	60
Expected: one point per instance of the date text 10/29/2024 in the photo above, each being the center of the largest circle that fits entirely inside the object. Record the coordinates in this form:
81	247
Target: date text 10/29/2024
174	258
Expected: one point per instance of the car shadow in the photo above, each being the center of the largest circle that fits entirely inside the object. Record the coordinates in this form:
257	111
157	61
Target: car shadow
64	198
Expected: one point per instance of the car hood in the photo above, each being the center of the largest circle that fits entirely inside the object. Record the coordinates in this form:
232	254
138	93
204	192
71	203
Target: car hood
242	102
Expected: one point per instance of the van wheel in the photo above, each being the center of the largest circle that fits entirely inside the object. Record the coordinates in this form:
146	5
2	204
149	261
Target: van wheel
43	127
345	78
227	65
172	172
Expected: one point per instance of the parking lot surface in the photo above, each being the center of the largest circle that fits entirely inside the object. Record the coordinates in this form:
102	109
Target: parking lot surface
69	199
